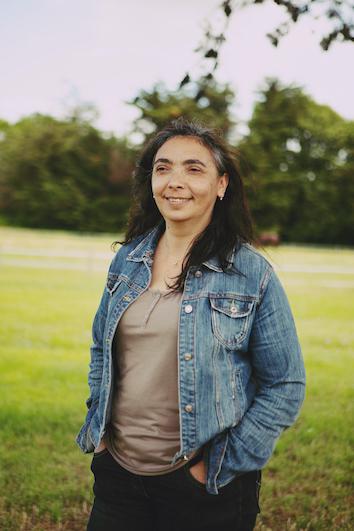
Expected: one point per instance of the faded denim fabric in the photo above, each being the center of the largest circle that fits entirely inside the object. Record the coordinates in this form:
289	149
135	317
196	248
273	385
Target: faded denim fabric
240	367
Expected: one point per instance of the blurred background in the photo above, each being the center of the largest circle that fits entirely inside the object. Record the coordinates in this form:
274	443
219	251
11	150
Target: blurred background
84	85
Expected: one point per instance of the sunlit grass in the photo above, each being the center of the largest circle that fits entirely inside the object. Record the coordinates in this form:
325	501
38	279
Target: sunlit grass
45	328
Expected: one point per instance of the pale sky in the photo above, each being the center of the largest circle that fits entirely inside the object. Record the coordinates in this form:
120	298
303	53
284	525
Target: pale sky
56	53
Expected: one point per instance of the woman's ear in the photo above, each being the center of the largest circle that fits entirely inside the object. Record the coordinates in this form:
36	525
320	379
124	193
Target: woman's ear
223	183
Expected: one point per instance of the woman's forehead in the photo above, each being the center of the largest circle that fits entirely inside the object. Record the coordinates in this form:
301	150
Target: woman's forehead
180	148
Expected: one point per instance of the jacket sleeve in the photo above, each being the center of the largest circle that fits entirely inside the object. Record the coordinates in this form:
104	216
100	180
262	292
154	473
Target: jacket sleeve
278	369
95	373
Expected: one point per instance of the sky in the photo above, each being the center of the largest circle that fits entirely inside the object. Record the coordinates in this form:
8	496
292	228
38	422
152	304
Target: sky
55	54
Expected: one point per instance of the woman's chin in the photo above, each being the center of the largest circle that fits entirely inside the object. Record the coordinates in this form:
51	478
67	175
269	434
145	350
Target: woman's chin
176	215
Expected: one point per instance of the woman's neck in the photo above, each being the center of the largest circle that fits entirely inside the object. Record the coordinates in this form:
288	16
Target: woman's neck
177	242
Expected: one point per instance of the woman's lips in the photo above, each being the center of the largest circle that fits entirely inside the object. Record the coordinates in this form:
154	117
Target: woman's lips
177	200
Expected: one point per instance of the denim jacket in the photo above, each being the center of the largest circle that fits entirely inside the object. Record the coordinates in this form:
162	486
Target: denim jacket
241	376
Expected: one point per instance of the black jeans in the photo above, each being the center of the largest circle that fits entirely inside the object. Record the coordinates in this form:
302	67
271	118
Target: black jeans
170	502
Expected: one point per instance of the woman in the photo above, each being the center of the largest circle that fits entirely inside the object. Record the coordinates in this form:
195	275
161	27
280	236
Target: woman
195	367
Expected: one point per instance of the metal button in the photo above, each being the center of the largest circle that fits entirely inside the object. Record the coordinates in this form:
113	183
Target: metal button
189	408
198	274
188	356
188	308
126	298
233	309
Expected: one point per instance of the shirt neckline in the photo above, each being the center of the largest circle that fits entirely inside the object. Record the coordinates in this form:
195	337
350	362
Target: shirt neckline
160	292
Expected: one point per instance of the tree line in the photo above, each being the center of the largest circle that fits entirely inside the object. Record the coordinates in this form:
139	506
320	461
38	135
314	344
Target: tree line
297	158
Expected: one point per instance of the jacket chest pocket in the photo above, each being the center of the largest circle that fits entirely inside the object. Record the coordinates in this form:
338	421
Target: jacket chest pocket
231	318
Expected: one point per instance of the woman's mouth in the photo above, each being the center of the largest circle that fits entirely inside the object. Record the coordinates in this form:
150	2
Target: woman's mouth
177	200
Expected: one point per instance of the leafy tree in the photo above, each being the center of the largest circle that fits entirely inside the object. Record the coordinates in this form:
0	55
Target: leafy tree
209	103
301	155
63	174
4	126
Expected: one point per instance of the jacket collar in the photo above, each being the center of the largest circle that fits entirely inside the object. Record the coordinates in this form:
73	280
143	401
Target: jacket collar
214	264
146	248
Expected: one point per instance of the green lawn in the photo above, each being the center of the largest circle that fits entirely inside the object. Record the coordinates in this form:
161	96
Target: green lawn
47	304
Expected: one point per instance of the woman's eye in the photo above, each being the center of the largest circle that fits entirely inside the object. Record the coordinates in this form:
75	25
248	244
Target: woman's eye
161	168
194	169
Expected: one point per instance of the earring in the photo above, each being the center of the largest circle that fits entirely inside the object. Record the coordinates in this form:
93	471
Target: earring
221	197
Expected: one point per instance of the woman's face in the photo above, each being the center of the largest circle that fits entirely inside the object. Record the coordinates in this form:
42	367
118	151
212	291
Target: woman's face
185	182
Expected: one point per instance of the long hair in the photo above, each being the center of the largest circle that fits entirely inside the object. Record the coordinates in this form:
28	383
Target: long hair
231	222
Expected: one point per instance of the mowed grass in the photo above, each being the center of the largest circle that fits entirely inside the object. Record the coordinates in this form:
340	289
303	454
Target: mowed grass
45	330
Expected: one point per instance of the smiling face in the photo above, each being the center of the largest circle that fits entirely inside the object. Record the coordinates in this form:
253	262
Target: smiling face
185	182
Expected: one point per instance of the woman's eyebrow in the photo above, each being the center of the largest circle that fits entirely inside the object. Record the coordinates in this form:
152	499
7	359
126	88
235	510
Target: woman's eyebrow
185	162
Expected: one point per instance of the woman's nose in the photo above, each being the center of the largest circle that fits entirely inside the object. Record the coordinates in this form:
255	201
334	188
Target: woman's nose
175	180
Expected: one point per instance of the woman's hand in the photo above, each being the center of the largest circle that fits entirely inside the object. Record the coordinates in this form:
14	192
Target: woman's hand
198	471
100	447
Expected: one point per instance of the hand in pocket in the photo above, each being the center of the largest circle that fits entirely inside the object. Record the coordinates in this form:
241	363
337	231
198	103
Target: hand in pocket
100	447
198	471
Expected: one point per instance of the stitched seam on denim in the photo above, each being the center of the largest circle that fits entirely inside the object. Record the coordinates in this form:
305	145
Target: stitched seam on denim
219	414
238	339
222	455
264	283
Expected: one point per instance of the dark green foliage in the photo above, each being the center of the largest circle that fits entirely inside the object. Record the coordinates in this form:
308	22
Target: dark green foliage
63	174
208	102
302	157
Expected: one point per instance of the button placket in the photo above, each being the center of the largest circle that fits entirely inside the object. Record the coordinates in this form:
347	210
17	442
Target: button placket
187	411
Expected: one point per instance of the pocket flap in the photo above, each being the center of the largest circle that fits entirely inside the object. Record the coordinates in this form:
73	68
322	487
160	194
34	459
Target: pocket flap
232	307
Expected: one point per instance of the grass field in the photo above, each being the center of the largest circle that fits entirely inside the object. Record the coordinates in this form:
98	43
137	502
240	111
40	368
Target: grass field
48	298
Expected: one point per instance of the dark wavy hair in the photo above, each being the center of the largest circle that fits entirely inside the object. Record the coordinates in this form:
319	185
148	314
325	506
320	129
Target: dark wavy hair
231	222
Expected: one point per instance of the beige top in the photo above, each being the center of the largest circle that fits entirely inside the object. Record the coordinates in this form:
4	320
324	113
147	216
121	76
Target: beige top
144	435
